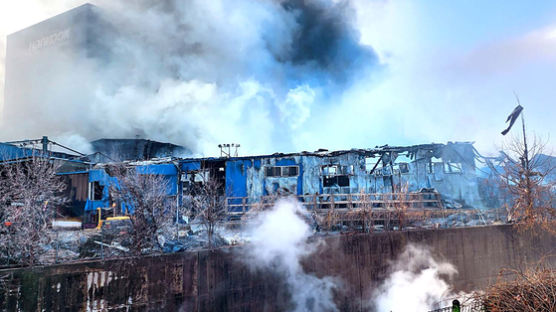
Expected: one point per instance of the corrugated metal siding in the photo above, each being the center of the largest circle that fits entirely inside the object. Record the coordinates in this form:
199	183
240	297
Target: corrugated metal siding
245	177
10	152
236	178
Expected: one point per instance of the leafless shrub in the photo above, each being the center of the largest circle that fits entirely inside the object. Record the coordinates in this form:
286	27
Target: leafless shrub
145	195
524	174
532	290
30	192
329	220
366	211
360	215
351	219
398	204
208	206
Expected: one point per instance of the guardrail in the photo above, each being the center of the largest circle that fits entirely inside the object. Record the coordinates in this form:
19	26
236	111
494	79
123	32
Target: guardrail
345	202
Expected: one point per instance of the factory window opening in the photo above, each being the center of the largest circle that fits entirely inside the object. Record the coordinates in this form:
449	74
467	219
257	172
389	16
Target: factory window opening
403	167
282	171
97	191
336	170
338	180
273	171
194	179
432	163
430	168
201	176
372	163
453	167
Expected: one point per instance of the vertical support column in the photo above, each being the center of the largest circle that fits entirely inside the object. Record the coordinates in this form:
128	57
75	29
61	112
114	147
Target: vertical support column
315	202
44	142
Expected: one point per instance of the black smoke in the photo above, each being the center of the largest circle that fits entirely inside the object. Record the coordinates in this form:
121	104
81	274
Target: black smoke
322	45
326	40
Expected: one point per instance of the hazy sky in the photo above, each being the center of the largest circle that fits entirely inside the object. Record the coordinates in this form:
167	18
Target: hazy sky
449	72
454	66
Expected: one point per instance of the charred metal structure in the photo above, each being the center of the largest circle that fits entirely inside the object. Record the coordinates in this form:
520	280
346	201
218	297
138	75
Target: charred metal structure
136	149
73	167
436	176
431	176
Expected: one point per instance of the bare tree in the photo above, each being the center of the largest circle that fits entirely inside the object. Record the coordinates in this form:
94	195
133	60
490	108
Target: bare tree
525	177
398	204
366	211
328	219
208	205
145	197
30	192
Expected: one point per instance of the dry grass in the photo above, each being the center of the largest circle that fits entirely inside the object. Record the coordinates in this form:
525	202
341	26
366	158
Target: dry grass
399	204
531	290
329	221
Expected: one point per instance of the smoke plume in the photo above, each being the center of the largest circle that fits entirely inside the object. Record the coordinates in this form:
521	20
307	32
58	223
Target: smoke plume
196	73
417	283
279	243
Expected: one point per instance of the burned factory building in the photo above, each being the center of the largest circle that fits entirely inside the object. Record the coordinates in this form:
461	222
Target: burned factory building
438	176
445	168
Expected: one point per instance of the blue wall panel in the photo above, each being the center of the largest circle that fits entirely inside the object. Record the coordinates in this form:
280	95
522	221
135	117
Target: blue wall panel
190	165
236	179
169	171
10	152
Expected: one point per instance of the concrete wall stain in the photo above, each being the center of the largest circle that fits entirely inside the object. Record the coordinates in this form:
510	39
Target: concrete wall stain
221	280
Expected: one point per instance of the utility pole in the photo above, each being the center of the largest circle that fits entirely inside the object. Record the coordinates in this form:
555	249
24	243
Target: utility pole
526	169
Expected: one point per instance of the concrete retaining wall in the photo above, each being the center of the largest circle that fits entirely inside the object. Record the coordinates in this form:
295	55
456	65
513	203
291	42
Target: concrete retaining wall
222	280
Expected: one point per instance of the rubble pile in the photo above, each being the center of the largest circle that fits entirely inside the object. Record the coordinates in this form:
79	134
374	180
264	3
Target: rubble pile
72	244
65	245
468	218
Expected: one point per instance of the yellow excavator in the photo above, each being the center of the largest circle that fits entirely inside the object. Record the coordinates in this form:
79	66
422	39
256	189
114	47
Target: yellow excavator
109	220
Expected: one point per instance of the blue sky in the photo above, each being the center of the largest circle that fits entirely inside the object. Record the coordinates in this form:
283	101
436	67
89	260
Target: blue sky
453	67
476	22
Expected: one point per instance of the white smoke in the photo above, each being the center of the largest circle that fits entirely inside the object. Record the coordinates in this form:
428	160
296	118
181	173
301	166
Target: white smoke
279	243
296	109
195	73
417	283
